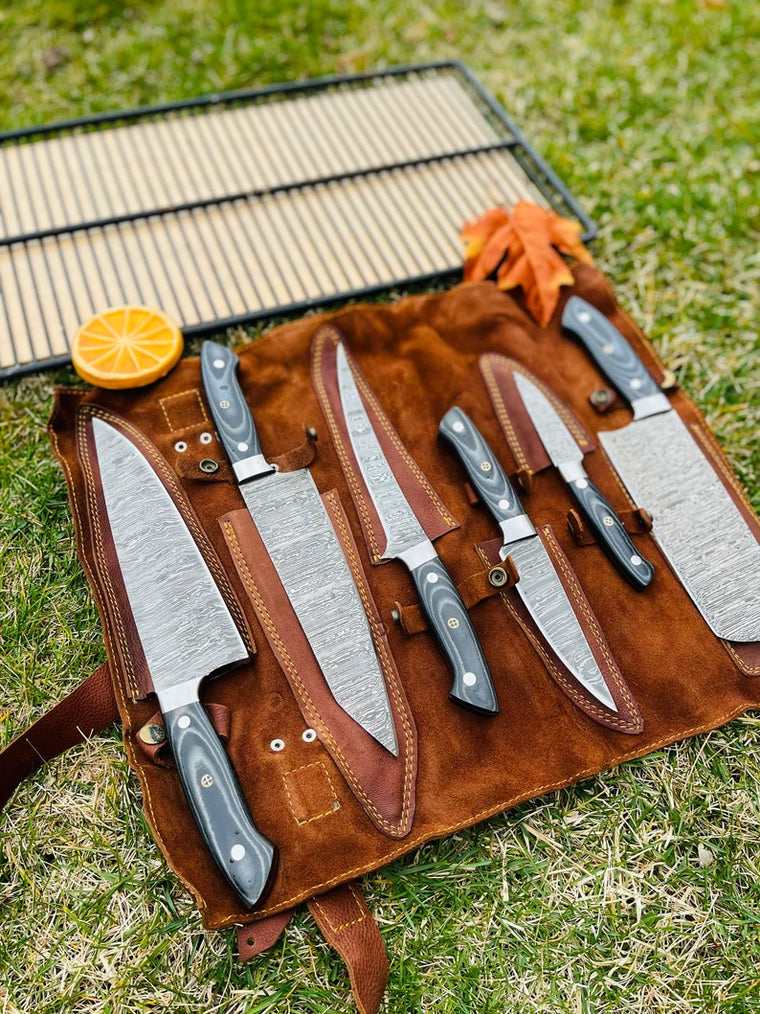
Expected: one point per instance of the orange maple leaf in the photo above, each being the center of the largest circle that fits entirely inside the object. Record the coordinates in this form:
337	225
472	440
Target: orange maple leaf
522	248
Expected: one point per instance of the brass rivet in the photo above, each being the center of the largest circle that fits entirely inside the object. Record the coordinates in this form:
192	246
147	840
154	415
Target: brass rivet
207	781
224	404
452	622
608	521
485	466
497	576
209	466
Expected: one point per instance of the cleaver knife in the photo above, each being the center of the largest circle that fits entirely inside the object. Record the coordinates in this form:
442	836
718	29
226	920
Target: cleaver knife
186	633
539	586
301	542
567	458
697	525
450	623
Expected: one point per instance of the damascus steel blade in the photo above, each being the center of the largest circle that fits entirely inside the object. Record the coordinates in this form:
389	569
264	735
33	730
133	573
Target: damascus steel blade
560	444
301	542
402	529
696	523
183	622
546	601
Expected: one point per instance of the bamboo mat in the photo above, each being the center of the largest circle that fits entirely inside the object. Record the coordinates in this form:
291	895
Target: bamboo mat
234	210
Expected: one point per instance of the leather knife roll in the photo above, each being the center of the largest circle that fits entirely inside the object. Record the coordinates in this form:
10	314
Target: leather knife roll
421	357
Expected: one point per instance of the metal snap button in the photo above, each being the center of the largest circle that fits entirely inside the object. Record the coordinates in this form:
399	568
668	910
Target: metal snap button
209	466
497	577
205	438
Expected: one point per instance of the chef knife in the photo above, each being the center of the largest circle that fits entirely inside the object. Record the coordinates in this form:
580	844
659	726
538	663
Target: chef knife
301	542
539	586
698	526
472	686
186	633
567	457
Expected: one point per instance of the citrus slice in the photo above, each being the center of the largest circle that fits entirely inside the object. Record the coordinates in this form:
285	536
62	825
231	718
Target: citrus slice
126	346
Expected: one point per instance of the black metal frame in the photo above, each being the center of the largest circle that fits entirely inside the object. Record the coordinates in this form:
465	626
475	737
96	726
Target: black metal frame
536	169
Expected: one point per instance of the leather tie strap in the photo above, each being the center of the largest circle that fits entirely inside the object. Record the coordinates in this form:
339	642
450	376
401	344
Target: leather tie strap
349	927
88	710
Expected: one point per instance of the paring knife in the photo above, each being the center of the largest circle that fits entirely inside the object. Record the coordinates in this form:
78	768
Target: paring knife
567	457
539	586
186	633
472	686
301	542
698	526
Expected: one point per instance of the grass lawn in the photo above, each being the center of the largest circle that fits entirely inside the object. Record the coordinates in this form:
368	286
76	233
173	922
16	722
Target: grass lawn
590	900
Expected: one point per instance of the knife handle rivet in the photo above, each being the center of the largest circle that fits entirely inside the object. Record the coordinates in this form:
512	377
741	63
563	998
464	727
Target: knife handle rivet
584	317
607	521
635	383
504	505
207	781
224	404
218	364
485	466
608	349
636	560
431	578
452	622
277	745
180	446
469	679
237	852
184	722
581	483
209	466
458	427
242	446
308	735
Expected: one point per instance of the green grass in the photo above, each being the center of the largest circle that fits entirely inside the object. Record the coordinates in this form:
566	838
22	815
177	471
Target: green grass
592	900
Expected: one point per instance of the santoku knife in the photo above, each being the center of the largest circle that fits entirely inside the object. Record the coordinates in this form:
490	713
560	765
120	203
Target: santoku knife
406	540
302	544
186	633
697	525
539	587
567	457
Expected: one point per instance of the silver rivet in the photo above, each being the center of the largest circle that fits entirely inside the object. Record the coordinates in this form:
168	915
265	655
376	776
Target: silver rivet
308	735
237	852
636	560
277	745
242	447
581	483
180	446
608	521
224	404
584	316
469	679
608	349
635	383
485	466
184	722
206	438
504	504
218	364
458	427
431	578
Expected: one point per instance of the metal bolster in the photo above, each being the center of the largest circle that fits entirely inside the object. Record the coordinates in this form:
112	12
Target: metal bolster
250	468
572	471
652	404
514	529
179	696
423	552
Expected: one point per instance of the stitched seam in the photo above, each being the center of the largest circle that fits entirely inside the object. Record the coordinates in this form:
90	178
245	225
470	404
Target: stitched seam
343	925
441	831
748	670
119	690
560	408
501	412
356	488
386	662
316	816
287	662
181	394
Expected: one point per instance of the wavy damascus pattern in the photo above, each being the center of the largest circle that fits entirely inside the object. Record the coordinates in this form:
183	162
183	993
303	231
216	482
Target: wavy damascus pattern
184	625
699	527
302	545
402	529
560	444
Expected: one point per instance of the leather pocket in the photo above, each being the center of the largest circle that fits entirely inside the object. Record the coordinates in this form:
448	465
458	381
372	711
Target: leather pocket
383	784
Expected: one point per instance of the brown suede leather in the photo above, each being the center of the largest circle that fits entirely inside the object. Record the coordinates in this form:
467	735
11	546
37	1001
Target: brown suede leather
421	357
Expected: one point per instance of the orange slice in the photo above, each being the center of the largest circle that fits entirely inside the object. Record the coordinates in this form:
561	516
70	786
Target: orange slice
126	346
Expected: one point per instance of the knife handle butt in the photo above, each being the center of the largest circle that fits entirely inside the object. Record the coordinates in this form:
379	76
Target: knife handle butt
242	853
229	409
611	535
472	686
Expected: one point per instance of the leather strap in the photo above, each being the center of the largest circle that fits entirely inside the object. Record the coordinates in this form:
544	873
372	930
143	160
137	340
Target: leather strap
256	937
349	927
89	709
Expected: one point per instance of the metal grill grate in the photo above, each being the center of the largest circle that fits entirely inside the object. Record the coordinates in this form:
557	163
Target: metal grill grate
235	207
